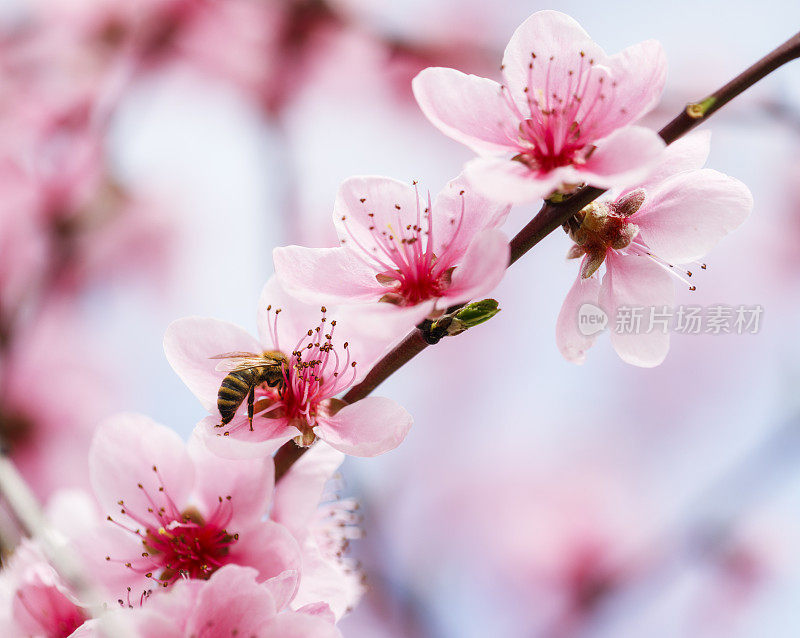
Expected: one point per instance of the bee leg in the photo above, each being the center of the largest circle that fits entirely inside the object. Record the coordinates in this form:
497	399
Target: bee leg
250	398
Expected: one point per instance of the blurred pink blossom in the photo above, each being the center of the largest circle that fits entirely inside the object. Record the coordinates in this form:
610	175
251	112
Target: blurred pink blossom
34	601
230	603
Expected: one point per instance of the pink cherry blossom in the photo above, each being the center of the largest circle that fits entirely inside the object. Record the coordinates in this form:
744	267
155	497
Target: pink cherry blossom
675	216
307	503
561	118
327	351
34	601
230	603
417	255
178	512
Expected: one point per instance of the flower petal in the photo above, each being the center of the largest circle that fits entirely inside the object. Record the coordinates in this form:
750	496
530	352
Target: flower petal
281	331
638	75
270	548
560	45
298	493
623	158
481	269
368	427
467	108
265	438
190	342
514	183
687	215
570	338
325	275
283	587
320	609
690	152
460	212
636	282
231	603
388	206
246	483
300	625
123	454
324	579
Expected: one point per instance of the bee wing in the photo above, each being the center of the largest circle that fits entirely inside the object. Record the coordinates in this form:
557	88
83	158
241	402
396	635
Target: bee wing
237	361
237	354
243	361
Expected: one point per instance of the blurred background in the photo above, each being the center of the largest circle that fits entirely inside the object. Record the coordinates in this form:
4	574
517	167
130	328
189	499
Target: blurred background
152	154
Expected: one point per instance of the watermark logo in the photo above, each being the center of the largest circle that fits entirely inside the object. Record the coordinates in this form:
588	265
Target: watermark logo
684	319
591	319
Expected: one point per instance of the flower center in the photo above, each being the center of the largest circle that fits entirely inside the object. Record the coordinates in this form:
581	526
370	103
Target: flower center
600	226
603	226
404	254
176	543
558	121
188	547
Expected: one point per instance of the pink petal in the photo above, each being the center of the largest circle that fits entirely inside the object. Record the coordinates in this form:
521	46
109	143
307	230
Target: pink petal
638	74
687	153
107	539
298	493
687	215
636	282
298	625
248	483
481	269
320	609
268	547
263	441
368	334
622	158
325	275
572	343
368	427
42	609
231	603
467	108
147	622
123	453
514	183
327	580
557	41
188	344
392	205
283	587
458	218
72	512
295	317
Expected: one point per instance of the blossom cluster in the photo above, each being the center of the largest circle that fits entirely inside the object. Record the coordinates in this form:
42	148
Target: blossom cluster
203	539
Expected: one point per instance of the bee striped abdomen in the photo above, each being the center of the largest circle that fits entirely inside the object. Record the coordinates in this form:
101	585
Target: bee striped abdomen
233	391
